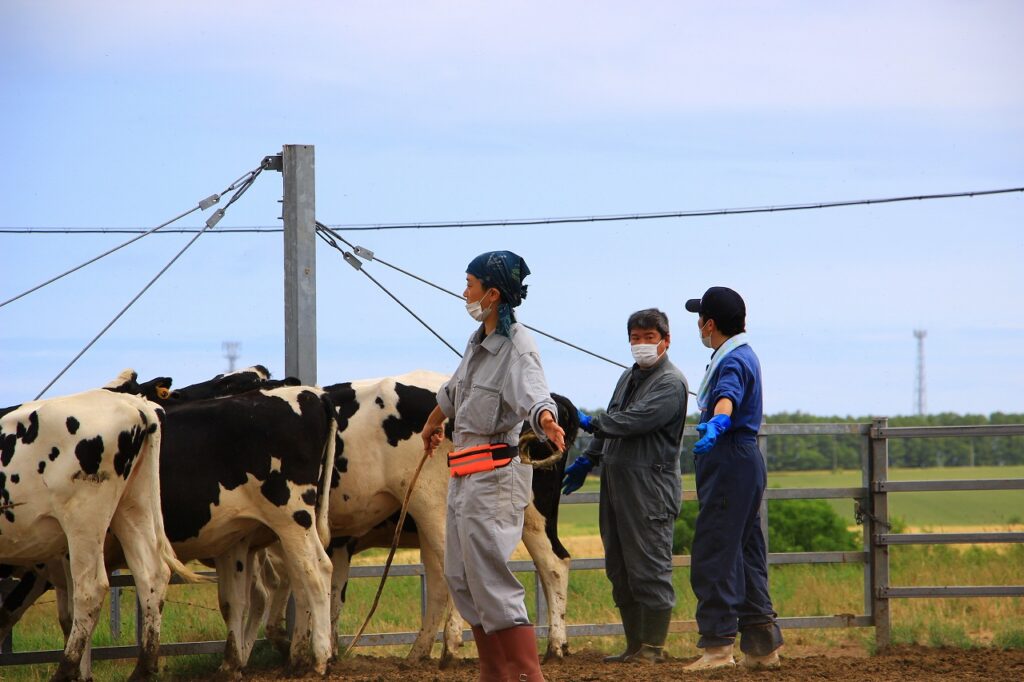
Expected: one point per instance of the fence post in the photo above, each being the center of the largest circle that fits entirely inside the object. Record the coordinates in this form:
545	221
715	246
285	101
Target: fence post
879	523
762	445
542	602
115	610
299	214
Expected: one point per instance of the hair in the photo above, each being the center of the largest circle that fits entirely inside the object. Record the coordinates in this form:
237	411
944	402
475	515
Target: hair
649	318
731	326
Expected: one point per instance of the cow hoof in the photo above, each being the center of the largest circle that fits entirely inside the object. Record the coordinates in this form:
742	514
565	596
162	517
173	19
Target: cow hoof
556	653
447	659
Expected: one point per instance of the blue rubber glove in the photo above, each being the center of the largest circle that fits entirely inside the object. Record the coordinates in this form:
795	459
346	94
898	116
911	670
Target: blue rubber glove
576	474
711	430
586	421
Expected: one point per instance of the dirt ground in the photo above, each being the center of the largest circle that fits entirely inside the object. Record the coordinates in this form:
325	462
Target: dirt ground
903	664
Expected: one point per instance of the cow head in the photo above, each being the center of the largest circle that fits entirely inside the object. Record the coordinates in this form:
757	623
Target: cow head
157	390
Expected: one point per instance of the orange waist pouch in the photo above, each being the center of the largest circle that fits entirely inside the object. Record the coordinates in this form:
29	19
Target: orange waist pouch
480	458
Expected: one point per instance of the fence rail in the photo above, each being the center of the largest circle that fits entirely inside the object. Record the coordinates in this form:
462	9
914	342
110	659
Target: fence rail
872	495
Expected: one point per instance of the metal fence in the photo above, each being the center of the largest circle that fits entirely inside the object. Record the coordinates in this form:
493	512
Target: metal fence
872	498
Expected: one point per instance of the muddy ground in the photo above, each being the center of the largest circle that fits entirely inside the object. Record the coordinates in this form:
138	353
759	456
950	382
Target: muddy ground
903	663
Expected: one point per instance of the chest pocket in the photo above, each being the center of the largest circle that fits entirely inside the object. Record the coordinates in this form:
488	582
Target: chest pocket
479	410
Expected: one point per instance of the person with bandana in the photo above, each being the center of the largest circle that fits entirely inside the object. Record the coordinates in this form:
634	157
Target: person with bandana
499	384
637	441
729	560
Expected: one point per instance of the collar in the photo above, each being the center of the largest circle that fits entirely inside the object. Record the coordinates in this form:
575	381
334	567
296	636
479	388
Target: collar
492	343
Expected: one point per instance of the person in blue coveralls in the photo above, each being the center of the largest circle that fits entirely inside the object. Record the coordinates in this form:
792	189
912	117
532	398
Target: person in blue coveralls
729	562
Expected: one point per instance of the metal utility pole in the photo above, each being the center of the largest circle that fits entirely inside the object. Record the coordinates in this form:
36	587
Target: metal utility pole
231	353
922	403
296	164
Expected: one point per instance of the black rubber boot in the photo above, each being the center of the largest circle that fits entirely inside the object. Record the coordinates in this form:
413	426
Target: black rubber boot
655	632
632	623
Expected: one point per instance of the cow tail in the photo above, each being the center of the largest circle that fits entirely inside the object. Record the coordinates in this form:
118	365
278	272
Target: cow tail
149	463
323	526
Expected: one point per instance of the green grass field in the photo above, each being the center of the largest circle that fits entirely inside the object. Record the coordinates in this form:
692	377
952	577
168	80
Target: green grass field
992	509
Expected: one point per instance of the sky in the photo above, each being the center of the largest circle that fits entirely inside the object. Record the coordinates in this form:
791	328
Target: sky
127	114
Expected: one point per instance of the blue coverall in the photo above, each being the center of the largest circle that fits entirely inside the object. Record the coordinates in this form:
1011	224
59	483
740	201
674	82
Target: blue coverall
729	569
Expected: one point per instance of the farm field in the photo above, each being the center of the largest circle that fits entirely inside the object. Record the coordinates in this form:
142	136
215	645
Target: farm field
978	630
997	509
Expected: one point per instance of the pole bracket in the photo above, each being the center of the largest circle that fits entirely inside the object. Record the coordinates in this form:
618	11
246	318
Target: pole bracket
272	163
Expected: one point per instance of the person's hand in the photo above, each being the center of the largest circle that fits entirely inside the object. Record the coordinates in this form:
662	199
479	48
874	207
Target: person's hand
576	474
554	432
431	439
711	430
586	421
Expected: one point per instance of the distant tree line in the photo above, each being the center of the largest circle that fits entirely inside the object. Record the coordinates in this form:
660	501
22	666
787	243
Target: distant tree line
806	453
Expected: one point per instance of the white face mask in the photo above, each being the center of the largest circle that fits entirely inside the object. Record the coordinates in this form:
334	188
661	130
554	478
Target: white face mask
477	312
645	354
706	340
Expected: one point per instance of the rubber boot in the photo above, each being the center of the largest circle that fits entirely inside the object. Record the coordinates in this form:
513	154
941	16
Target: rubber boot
655	624
769	662
491	656
520	646
632	624
714	657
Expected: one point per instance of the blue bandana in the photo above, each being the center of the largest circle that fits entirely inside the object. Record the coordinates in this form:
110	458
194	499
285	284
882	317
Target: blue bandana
504	271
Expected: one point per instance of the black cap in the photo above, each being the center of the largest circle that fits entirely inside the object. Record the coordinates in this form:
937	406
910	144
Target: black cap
721	304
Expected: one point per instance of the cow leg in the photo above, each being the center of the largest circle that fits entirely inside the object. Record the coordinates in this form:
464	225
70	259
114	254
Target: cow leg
134	527
554	577
309	571
258	599
88	585
341	561
60	574
275	577
233	595
430	524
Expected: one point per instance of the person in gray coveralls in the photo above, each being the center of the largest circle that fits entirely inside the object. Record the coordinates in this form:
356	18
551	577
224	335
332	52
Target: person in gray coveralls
499	384
637	441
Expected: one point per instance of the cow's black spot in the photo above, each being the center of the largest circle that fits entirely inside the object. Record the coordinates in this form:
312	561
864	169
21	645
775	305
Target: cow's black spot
239	566
341	464
380	402
9	515
344	497
15	478
303	518
72	425
128	445
89	453
29	434
54	454
5	495
42	465
6	571
275	489
213	445
8	443
414	406
309	497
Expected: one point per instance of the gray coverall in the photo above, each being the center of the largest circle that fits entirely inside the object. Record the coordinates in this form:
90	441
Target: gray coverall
637	442
499	384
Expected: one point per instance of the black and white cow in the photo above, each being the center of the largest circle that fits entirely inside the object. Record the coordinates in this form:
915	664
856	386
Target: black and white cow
72	468
379	422
241	471
237	473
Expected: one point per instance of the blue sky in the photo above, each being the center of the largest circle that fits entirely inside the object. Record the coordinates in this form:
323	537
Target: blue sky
126	114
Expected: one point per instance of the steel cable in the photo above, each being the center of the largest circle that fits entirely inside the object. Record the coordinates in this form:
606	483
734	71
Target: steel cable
371	256
245	180
217	215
